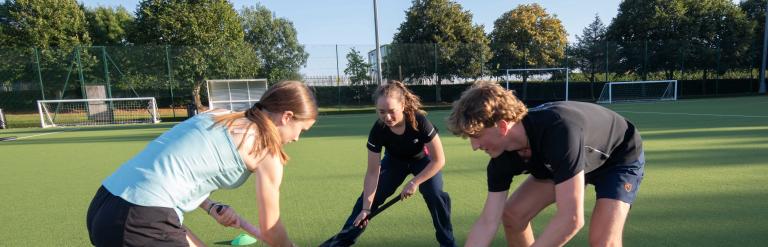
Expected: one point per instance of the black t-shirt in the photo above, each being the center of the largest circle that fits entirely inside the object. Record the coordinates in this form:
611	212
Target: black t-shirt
409	145
565	139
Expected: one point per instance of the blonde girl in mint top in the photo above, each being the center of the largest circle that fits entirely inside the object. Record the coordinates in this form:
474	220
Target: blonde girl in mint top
143	202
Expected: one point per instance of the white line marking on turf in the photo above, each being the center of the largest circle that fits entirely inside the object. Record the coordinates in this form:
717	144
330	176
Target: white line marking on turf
30	136
354	115
693	114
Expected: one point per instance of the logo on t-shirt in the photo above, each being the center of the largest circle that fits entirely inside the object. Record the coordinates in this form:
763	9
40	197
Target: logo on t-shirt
416	140
549	167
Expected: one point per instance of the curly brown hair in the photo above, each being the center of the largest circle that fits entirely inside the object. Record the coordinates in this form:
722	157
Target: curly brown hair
481	106
411	102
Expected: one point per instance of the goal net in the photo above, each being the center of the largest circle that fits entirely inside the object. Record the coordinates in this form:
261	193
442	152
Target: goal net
638	91
85	112
235	94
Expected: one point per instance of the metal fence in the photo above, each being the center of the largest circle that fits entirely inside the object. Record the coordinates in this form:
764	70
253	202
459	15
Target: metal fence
169	73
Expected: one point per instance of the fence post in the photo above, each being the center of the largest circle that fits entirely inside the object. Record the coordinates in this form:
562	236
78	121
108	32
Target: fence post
683	51
106	72
717	71
39	73
606	62
80	71
566	73
338	78
170	78
645	59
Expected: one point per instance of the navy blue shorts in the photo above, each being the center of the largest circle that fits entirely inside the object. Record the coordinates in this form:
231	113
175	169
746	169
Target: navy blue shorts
620	182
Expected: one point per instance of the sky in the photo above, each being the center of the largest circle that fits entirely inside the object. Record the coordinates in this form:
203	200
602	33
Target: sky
323	24
350	22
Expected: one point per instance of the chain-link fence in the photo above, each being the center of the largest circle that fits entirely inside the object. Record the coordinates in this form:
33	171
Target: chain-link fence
173	74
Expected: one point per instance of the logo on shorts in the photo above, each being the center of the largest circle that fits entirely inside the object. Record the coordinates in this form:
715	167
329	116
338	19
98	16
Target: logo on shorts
628	187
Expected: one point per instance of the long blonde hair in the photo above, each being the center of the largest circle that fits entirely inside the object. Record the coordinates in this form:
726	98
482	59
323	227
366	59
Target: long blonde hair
411	102
284	96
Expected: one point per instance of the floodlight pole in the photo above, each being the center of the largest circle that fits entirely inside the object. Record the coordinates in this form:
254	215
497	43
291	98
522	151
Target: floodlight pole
765	49
378	48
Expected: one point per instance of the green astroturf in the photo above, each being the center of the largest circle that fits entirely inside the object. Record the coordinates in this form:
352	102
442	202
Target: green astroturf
705	183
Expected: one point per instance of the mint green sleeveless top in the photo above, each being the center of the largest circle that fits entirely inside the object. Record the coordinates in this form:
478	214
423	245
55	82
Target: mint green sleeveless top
181	168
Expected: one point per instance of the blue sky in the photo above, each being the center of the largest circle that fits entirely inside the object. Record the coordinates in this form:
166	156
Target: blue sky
350	22
324	24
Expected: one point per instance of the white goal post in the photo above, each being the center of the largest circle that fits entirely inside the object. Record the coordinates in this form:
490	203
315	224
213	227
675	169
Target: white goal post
89	112
235	94
564	70
629	91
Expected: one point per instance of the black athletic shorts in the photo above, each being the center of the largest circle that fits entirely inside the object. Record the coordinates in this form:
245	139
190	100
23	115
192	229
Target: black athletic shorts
113	221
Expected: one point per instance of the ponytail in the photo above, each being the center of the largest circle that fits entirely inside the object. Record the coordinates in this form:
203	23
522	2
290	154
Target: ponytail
267	138
284	96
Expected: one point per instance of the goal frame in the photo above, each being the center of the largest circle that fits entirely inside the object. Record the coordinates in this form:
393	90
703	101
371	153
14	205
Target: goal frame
610	85
213	103
45	114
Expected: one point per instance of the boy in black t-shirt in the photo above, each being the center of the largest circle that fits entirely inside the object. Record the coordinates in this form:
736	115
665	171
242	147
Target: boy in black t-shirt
411	146
564	146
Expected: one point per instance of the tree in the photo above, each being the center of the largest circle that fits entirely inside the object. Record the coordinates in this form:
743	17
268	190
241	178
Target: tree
108	26
357	69
208	36
52	30
44	24
5	22
455	47
526	37
755	11
720	35
590	48
667	35
276	43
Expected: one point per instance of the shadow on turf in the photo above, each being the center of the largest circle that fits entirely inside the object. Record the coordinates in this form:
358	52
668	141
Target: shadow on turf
699	218
90	139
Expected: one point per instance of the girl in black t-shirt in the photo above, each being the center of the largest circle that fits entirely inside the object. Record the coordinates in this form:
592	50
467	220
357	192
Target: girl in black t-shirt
411	146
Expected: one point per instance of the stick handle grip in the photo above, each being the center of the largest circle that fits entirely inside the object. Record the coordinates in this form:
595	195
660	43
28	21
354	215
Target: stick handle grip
245	225
250	229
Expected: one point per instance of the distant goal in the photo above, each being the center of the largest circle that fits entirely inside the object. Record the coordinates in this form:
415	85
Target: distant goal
89	112
235	94
631	91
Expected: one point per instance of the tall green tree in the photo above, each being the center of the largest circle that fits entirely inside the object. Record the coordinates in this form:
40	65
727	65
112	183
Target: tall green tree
527	37
455	48
644	27
669	35
357	69
207	35
359	73
720	35
44	24
276	44
589	49
5	22
108	26
53	30
755	13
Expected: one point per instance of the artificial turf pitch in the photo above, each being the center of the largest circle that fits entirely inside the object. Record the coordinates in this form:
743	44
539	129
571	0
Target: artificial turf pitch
705	184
